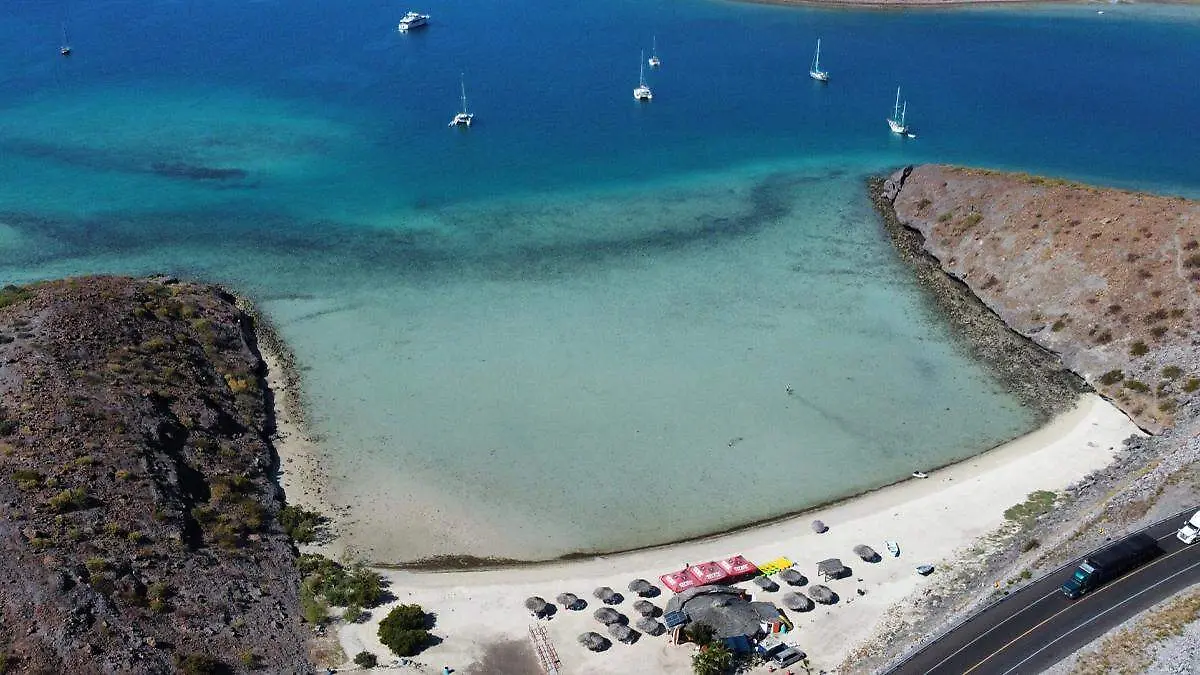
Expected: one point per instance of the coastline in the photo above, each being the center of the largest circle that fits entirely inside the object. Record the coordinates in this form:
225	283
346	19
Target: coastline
479	610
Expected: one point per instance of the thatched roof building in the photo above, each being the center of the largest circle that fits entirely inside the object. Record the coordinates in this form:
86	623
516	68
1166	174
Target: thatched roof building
568	600
832	569
594	641
819	527
822	594
607	595
608	616
867	553
649	626
536	605
622	633
797	602
645	608
792	577
728	610
643	588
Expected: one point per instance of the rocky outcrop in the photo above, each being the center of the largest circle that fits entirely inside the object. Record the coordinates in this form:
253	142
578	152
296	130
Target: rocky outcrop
138	507
1107	279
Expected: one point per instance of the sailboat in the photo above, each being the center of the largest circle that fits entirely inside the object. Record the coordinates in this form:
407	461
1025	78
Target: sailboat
654	60
65	49
815	72
898	122
464	118
642	92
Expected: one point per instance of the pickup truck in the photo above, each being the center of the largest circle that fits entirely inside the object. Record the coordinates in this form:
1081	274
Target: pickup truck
1190	530
1111	562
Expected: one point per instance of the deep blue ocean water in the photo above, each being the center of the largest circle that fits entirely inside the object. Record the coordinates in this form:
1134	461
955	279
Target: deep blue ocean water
429	278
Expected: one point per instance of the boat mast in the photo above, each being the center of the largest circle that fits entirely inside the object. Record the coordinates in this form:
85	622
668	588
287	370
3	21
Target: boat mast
896	108
642	68
817	58
653	46
462	81
903	113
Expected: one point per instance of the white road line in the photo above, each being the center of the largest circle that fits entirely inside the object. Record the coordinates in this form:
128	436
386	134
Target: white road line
985	633
1097	616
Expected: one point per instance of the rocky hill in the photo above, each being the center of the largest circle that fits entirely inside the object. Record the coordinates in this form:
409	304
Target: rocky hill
138	504
1107	279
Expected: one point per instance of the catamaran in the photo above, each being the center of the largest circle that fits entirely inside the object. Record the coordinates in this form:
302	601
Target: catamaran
897	121
642	92
654	60
815	72
65	49
464	118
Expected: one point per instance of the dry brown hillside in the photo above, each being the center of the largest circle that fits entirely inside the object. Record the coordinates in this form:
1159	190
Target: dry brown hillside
1109	279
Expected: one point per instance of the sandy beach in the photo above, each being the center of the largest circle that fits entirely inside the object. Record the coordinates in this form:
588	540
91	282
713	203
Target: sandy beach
934	520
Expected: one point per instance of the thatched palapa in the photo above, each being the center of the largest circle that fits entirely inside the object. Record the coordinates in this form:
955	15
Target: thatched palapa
536	605
797	602
822	594
568	600
832	569
793	577
867	553
819	527
608	616
649	626
643	588
765	583
645	608
622	632
593	641
607	595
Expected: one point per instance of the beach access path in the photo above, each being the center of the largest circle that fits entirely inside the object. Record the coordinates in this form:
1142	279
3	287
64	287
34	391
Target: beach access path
935	520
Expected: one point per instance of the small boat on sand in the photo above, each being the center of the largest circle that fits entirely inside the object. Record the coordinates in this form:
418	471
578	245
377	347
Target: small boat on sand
919	474
893	548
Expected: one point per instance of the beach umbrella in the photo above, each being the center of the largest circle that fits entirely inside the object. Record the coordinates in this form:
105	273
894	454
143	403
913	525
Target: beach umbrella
819	527
568	600
649	626
792	577
536	605
765	583
645	608
593	641
622	632
797	602
643	588
822	594
867	553
608	615
607	595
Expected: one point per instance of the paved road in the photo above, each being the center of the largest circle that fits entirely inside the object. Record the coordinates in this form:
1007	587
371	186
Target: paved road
1038	626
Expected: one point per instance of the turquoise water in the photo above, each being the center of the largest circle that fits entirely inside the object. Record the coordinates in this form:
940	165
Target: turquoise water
564	328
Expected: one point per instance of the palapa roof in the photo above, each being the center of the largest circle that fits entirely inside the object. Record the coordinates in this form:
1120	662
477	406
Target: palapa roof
608	615
648	626
643	588
819	527
822	594
606	594
765	583
831	568
567	600
865	552
593	641
536	605
797	602
727	609
622	632
645	608
792	576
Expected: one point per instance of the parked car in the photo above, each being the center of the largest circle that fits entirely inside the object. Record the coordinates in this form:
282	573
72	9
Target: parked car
1190	531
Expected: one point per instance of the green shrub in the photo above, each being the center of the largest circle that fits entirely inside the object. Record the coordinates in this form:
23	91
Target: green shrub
1192	384
1058	325
365	660
404	630
972	219
198	664
1137	385
712	659
1139	348
945	217
1112	377
299	523
353	614
1172	372
13	294
69	500
314	609
27	480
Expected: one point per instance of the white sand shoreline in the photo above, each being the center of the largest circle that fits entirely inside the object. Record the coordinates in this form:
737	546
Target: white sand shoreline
933	519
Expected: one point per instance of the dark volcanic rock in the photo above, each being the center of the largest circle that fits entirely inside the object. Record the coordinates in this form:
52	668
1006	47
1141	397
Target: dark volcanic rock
137	504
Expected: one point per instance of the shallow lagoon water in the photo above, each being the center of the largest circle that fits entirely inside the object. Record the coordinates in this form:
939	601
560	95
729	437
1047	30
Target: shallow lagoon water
572	327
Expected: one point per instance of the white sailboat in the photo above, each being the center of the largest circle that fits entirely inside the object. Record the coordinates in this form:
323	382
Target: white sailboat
815	72
464	118
898	121
65	49
654	60
642	92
